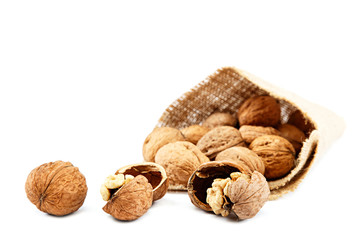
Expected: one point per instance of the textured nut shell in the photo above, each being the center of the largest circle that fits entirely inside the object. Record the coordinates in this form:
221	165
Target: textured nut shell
242	155
203	177
131	201
259	111
220	119
248	197
277	153
249	133
219	139
180	160
294	135
158	138
155	174
194	132
57	188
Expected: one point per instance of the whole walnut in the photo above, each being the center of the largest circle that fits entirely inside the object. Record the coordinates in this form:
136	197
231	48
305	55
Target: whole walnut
180	159
218	139
222	187
249	133
158	138
259	111
299	120
294	135
277	153
220	119
243	156
57	188
194	132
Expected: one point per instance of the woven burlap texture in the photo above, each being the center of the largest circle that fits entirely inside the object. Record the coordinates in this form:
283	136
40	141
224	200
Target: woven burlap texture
228	87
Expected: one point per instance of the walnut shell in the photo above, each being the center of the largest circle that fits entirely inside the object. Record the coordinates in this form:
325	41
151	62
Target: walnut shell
298	119
180	160
219	139
294	135
277	153
220	119
249	133
57	188
158	138
194	132
243	156
131	201
155	174
246	198
259	111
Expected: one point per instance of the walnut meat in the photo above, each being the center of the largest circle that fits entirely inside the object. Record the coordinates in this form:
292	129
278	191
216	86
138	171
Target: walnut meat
222	187
259	111
180	160
57	188
294	135
277	153
131	200
158	138
243	156
154	173
220	119
219	139
194	132
249	133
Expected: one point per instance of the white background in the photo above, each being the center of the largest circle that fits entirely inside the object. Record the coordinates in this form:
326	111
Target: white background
86	81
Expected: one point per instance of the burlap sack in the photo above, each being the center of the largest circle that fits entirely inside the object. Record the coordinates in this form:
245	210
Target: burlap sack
226	89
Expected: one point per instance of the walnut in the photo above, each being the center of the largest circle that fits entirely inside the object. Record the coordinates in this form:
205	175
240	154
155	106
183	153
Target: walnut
131	200
222	187
220	119
299	120
155	174
277	153
259	111
180	159
243	156
194	132
249	133
158	138
294	135
57	188
219	139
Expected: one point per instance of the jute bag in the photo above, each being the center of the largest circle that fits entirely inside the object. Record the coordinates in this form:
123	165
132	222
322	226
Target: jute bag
227	88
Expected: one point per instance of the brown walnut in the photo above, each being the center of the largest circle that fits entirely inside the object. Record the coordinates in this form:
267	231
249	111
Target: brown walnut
298	119
194	132
277	153
222	187
259	111
155	174
220	119
249	133
294	135
180	159
158	138
218	139
57	188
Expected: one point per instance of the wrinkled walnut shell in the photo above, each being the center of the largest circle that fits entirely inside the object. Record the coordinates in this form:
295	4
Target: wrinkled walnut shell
131	201
259	111
194	132
218	139
247	198
219	119
294	135
180	159
57	188
158	138
155	174
249	133
243	156
277	153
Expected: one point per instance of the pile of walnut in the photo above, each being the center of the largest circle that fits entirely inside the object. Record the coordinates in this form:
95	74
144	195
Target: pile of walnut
254	140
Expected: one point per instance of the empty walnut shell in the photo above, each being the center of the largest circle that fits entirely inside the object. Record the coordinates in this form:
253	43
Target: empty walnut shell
57	188
155	174
219	139
220	119
243	156
247	198
180	159
158	138
249	133
259	111
277	153
131	201
193	133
